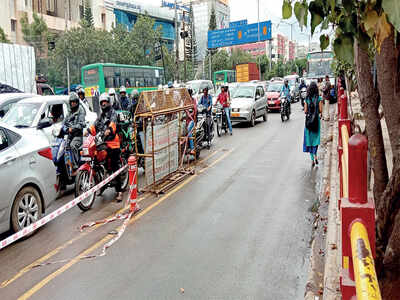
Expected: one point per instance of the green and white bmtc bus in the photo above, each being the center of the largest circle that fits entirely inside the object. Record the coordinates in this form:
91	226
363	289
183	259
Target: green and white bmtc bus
224	76
100	77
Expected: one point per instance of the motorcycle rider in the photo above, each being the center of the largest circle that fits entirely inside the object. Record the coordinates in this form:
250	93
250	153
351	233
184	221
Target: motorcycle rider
74	124
302	86
191	121
206	101
107	124
123	99
135	101
286	92
114	99
223	98
81	94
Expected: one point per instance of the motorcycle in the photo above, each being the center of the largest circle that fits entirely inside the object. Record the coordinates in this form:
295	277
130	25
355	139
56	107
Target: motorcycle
95	168
222	121
62	158
127	137
208	124
303	95
285	110
200	138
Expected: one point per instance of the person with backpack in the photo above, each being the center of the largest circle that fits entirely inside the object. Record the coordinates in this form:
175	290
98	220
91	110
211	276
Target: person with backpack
312	131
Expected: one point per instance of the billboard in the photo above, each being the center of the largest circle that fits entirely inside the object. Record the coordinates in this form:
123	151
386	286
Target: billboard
238	35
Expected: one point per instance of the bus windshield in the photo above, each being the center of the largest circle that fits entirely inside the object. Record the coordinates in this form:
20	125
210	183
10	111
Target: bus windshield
319	68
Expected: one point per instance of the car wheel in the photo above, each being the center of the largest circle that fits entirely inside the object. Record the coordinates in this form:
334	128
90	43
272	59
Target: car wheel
26	209
253	119
265	115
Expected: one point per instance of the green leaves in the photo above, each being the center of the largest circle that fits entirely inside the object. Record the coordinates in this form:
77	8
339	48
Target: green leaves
301	13
286	9
324	41
392	9
344	48
3	37
317	14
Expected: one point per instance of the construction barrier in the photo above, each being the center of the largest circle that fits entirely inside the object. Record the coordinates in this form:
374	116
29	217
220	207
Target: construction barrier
358	278
46	219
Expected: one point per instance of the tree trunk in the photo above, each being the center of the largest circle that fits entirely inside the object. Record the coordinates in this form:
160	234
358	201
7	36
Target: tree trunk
369	99
387	64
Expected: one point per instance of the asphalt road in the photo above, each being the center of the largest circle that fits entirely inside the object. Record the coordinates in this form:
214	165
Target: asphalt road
238	229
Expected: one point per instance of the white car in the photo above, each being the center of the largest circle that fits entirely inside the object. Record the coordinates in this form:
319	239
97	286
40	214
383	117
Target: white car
35	114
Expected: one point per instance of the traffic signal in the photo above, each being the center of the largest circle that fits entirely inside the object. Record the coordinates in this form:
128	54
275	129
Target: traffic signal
184	34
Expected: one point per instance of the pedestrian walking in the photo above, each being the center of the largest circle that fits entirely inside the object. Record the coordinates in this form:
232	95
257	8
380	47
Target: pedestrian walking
312	130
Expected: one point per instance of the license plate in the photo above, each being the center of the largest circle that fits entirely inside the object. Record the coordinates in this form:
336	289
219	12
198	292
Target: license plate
86	159
235	115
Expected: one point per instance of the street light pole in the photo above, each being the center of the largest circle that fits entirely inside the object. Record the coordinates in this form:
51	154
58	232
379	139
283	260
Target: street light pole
258	24
66	28
176	41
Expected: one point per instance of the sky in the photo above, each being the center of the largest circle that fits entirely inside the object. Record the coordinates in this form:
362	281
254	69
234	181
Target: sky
269	10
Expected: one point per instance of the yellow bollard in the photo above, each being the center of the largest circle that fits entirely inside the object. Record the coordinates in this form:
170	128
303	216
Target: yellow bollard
367	286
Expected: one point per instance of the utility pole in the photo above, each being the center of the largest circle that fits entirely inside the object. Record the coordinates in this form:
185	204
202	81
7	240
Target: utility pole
176	40
258	24
184	45
66	28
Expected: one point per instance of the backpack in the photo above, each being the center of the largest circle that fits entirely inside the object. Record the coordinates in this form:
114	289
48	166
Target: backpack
332	96
312	118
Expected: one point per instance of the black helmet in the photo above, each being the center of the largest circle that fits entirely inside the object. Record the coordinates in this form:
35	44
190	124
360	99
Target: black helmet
81	91
73	97
190	91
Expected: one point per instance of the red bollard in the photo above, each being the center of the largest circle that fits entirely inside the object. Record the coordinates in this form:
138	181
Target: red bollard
132	168
343	108
358	207
358	151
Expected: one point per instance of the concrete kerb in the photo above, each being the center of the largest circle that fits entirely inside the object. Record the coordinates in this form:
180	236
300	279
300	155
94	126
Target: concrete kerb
329	190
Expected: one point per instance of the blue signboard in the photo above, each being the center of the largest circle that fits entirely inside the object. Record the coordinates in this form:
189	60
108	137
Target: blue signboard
172	5
238	23
244	34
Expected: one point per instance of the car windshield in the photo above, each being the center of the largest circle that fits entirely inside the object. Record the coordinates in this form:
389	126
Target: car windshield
195	86
275	87
22	114
244	92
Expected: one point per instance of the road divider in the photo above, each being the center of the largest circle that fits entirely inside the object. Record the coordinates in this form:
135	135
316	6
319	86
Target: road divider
40	223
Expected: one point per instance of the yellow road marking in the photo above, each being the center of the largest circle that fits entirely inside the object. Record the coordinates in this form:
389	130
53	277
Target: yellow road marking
59	248
61	270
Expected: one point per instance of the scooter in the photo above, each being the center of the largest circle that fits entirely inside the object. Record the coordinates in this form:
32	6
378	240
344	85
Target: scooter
62	158
285	110
95	168
222	122
208	124
303	95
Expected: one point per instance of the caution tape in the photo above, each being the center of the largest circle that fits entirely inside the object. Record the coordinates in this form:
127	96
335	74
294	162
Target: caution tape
29	229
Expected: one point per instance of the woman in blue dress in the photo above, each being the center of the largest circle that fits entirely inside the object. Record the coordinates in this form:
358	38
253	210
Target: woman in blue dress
312	139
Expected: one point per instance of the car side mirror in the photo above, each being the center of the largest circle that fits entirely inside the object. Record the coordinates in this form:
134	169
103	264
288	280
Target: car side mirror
44	123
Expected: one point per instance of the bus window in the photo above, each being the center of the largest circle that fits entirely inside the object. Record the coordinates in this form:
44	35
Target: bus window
91	77
109	82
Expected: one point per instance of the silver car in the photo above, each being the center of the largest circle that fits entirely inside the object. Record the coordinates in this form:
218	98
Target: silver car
28	177
249	102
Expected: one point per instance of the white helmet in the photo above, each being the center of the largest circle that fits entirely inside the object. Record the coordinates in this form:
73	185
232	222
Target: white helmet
122	89
111	92
104	97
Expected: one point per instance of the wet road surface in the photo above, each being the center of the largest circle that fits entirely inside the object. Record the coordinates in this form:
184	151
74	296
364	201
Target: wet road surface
238	229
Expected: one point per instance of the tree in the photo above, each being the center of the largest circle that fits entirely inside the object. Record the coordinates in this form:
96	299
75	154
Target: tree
239	56
35	33
145	37
368	31
3	37
87	15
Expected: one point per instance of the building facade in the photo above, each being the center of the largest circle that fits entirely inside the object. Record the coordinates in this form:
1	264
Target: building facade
255	49
201	12
58	15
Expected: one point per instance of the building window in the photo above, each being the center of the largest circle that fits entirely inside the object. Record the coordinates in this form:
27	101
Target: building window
50	5
13	25
103	19
81	10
